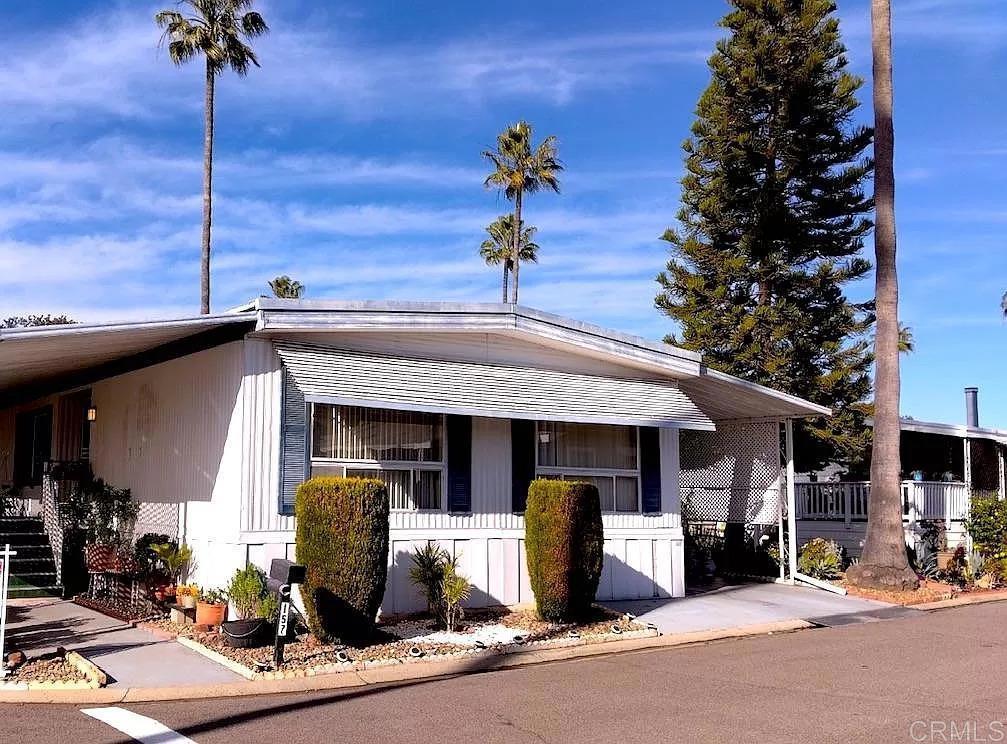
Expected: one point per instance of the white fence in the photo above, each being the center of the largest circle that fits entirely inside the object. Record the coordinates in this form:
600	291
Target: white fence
848	502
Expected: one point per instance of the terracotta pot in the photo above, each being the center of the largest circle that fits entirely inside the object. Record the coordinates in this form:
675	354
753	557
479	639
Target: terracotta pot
944	559
210	614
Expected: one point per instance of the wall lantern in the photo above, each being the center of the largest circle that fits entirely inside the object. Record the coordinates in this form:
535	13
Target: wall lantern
92	414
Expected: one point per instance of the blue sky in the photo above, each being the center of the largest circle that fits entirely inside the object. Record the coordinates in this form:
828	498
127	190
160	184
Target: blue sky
351	161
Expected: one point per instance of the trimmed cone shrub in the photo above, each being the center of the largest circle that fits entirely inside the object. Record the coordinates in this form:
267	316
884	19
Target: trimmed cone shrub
342	539
564	542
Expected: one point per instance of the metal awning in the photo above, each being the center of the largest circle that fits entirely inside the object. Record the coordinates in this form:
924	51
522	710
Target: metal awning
329	374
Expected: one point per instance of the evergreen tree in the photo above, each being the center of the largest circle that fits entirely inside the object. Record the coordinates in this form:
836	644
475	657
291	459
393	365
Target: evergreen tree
773	220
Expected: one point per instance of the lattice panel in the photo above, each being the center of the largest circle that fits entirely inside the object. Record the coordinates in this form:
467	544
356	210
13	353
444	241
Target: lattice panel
732	474
159	518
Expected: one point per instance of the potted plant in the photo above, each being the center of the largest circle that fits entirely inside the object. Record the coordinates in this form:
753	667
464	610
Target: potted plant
103	518
935	535
247	592
187	595
211	607
176	560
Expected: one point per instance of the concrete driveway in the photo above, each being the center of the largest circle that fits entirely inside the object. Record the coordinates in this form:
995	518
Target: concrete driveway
751	604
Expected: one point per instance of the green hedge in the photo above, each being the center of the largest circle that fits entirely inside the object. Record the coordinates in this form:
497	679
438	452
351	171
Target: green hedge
564	541
342	539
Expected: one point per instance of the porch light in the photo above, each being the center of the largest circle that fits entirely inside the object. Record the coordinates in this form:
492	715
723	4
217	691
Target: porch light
92	414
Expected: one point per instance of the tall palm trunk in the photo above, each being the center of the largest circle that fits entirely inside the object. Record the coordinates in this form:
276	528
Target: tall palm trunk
204	279
884	563
506	271
517	241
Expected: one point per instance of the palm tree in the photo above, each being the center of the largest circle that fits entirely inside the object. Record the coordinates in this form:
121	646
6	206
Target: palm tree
520	168
498	248
286	288
907	344
217	30
884	563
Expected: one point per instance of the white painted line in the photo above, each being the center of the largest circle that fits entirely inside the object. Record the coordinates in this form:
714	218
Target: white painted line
144	730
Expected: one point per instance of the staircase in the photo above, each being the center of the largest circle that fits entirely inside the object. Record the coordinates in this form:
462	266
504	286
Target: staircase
33	570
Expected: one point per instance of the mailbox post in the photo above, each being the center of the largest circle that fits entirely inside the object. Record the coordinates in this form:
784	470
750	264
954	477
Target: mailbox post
283	574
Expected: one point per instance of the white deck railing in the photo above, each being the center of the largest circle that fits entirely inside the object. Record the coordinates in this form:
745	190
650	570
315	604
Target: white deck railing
847	502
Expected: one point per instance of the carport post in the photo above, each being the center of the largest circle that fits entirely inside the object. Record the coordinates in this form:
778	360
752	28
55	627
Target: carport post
788	426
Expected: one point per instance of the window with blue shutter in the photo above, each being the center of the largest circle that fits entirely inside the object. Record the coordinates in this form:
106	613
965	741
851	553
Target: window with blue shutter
293	442
459	429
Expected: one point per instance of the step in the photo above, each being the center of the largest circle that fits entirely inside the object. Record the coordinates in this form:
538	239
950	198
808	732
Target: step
21	524
34	578
46	586
14	539
31	553
19	565
27	591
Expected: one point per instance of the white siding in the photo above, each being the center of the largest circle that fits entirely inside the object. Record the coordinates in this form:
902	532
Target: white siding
261	395
171	434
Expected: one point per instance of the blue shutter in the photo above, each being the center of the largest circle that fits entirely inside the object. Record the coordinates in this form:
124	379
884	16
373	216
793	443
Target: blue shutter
650	470
293	442
459	431
522	446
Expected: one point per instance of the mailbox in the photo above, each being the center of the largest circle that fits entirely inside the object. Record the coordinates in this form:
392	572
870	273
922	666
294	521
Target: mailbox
286	572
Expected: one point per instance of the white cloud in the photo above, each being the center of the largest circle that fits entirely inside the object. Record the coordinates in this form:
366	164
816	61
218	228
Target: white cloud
111	66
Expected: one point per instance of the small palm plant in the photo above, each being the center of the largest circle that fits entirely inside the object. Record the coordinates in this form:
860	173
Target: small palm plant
519	168
286	288
455	589
427	573
216	30
498	248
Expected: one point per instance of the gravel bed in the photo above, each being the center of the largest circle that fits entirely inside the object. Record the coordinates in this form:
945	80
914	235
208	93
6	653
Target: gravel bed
396	640
49	668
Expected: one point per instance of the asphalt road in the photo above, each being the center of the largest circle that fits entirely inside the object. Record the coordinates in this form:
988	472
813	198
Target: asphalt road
908	680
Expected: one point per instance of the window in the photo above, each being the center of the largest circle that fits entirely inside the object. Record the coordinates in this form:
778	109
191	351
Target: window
32	446
404	449
605	456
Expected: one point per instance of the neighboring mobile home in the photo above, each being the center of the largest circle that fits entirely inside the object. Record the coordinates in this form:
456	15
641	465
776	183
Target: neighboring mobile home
213	421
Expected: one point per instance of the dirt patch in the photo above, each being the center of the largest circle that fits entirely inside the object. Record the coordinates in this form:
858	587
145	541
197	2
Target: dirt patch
929	591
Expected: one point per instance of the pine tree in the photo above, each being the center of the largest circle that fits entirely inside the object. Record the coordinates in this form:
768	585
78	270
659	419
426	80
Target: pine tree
773	220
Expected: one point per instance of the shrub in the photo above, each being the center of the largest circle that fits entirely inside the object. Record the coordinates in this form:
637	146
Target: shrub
427	573
246	590
820	558
986	523
565	547
145	556
455	589
175	558
436	574
342	539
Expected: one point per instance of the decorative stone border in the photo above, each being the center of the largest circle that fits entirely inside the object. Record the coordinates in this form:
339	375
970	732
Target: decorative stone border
360	666
95	678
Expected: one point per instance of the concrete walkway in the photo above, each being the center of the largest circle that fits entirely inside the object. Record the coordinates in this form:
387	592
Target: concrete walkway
750	604
129	656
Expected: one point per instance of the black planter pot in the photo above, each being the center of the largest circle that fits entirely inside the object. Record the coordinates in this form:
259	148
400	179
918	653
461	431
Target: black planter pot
248	633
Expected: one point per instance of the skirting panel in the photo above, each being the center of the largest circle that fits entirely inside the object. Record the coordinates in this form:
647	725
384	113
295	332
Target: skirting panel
636	567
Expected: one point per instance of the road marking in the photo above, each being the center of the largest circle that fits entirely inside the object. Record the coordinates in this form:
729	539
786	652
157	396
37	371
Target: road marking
144	730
